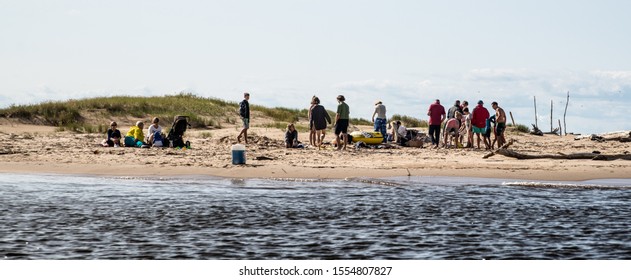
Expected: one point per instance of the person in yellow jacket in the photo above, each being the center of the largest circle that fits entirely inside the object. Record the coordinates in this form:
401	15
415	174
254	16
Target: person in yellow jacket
135	135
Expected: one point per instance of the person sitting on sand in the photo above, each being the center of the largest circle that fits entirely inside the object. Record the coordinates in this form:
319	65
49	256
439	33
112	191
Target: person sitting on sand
135	136
291	137
399	132
319	119
452	130
154	133
113	136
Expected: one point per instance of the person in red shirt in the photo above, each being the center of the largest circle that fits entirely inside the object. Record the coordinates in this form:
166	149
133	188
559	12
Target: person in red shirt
436	115
478	120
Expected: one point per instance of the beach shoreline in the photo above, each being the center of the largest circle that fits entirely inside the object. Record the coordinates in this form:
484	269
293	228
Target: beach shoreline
32	149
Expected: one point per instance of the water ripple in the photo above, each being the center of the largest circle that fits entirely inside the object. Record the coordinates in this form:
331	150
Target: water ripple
47	217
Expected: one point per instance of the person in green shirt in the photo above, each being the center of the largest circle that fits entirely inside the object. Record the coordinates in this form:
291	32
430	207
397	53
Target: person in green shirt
341	122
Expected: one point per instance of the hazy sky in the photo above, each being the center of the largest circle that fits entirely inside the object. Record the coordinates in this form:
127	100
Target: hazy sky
406	53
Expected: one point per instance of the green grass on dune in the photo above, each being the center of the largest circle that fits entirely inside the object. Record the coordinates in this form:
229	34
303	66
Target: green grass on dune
80	115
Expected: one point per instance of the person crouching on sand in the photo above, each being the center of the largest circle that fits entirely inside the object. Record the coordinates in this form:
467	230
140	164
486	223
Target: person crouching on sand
113	136
452	129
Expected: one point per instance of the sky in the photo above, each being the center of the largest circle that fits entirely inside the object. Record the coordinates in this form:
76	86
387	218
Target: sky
405	53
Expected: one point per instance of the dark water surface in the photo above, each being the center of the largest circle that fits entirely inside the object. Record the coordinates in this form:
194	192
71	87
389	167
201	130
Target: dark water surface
57	217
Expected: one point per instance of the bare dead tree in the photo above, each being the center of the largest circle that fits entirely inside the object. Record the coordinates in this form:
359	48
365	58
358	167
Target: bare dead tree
565	113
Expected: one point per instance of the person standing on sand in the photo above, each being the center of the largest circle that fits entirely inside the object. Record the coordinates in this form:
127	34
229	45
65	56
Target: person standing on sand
465	128
500	117
380	122
312	130
244	112
436	115
319	118
341	122
452	111
478	120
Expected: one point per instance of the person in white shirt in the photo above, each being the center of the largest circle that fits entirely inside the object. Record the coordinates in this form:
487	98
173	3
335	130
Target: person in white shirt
151	131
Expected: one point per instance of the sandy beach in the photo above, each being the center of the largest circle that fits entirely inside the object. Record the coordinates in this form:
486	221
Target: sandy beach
43	149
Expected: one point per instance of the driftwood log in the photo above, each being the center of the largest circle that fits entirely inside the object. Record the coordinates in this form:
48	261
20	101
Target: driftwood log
592	156
503	147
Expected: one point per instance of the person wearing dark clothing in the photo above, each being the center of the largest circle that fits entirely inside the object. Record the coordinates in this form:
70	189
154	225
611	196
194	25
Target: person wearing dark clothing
244	112
291	137
436	115
113	136
319	119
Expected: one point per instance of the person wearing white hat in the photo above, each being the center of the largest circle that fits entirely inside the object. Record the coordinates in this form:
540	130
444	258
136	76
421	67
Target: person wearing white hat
380	121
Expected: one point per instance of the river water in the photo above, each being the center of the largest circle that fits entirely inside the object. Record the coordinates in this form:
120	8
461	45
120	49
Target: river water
61	217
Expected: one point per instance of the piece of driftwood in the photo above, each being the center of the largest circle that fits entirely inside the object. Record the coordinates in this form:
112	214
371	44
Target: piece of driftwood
536	130
592	156
611	136
505	146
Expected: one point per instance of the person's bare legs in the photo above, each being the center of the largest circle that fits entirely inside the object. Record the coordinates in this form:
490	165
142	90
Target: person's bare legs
312	137
345	139
478	136
244	133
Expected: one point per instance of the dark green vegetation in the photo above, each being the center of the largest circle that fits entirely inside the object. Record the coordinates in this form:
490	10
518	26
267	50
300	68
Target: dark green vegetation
521	128
409	121
93	114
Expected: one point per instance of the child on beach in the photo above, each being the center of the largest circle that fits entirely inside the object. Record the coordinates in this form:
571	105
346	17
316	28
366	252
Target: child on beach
113	136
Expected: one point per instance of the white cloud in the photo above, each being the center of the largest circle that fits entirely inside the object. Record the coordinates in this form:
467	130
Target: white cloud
599	100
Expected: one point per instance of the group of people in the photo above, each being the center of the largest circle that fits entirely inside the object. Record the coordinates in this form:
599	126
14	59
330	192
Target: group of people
135	136
460	121
456	124
318	120
319	117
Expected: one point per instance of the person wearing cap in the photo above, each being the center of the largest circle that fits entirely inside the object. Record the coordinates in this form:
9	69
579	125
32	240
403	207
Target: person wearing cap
342	117
380	122
478	121
113	136
134	136
436	115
